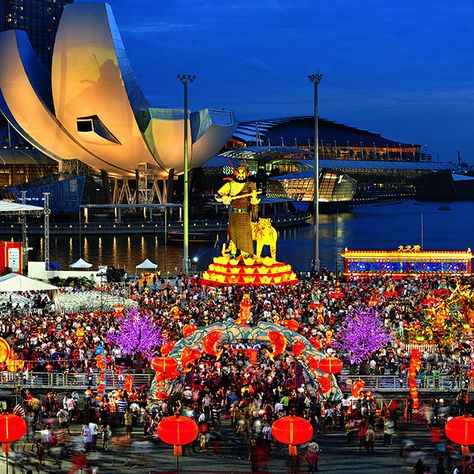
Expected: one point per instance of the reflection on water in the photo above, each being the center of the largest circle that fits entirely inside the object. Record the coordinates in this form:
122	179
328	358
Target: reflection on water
366	227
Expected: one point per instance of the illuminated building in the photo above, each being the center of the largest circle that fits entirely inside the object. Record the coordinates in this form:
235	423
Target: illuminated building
89	106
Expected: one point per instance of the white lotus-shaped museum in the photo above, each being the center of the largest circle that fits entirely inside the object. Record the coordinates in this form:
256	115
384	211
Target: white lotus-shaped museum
90	107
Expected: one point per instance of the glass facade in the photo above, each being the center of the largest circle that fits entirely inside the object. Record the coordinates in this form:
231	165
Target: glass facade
39	18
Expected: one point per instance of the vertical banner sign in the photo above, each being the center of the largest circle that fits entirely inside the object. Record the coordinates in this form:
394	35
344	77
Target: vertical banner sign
14	259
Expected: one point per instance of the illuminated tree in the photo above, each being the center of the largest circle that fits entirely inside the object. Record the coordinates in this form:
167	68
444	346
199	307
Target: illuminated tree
136	335
362	334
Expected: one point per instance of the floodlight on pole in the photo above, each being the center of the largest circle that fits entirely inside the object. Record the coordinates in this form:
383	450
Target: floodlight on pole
315	79
186	79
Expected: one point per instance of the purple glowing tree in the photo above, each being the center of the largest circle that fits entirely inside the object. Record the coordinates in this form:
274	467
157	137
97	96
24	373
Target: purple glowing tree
136	335
362	334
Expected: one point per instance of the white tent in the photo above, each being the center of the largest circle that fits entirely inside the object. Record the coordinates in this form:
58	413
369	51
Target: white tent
80	264
7	207
146	265
14	282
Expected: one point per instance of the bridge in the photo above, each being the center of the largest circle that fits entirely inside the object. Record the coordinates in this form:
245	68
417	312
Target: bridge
381	384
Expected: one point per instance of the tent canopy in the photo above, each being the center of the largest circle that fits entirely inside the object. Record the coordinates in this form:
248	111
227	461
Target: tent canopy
14	282
147	265
7	207
80	264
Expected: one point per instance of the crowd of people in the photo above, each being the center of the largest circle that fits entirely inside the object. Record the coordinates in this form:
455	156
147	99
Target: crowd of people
249	396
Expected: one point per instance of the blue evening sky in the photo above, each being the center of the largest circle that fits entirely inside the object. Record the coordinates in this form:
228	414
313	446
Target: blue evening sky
404	68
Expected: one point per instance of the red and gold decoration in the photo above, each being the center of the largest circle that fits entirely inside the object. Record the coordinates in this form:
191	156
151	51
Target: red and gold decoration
188	329
188	357
101	365
460	430
330	365
356	388
292	430
166	369
9	357
12	428
413	368
210	342
244	311
177	430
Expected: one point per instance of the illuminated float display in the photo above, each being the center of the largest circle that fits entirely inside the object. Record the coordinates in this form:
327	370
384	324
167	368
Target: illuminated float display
239	263
407	260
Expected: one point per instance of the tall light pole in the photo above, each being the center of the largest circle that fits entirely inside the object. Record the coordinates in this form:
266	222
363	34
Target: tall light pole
186	79
316	79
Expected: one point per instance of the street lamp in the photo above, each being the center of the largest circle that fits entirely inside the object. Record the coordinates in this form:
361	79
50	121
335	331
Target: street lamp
186	79
315	79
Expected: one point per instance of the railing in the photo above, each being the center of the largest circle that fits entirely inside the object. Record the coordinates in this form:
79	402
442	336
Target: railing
394	383
69	381
114	381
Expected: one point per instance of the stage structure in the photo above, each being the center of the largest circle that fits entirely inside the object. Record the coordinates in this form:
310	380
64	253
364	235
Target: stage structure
407	260
89	107
240	263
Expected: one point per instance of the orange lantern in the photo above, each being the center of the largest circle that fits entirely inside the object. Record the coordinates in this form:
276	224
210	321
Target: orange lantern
292	430
12	428
330	365
177	430
49	367
357	387
189	329
4	350
460	430
164	365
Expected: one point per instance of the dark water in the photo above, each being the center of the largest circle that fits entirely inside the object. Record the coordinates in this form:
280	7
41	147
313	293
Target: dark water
377	226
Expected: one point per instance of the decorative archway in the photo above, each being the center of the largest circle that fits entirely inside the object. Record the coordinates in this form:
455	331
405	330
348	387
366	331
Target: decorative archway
273	336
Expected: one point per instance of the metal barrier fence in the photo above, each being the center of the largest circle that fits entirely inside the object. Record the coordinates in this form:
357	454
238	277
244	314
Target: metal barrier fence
376	383
69	381
394	383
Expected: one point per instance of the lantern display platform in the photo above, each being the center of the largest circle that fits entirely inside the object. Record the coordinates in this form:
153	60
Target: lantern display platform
247	272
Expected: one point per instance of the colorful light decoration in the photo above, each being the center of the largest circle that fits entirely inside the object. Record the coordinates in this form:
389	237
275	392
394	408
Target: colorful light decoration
188	329
356	388
362	333
292	430
413	368
12	428
330	365
324	384
460	430
164	365
210	343
101	365
167	347
177	430
297	348
291	324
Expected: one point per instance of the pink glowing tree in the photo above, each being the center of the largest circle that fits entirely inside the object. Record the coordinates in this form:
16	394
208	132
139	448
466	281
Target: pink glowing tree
362	334
136	335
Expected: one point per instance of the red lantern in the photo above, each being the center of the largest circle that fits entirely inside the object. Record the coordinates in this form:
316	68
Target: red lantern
460	430
164	365
12	428
316	342
330	365
357	387
177	430
49	367
292	430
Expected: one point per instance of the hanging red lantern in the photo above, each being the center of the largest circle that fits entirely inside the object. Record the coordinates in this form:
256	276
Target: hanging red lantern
177	430
460	430
12	428
49	367
292	430
330	365
164	365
